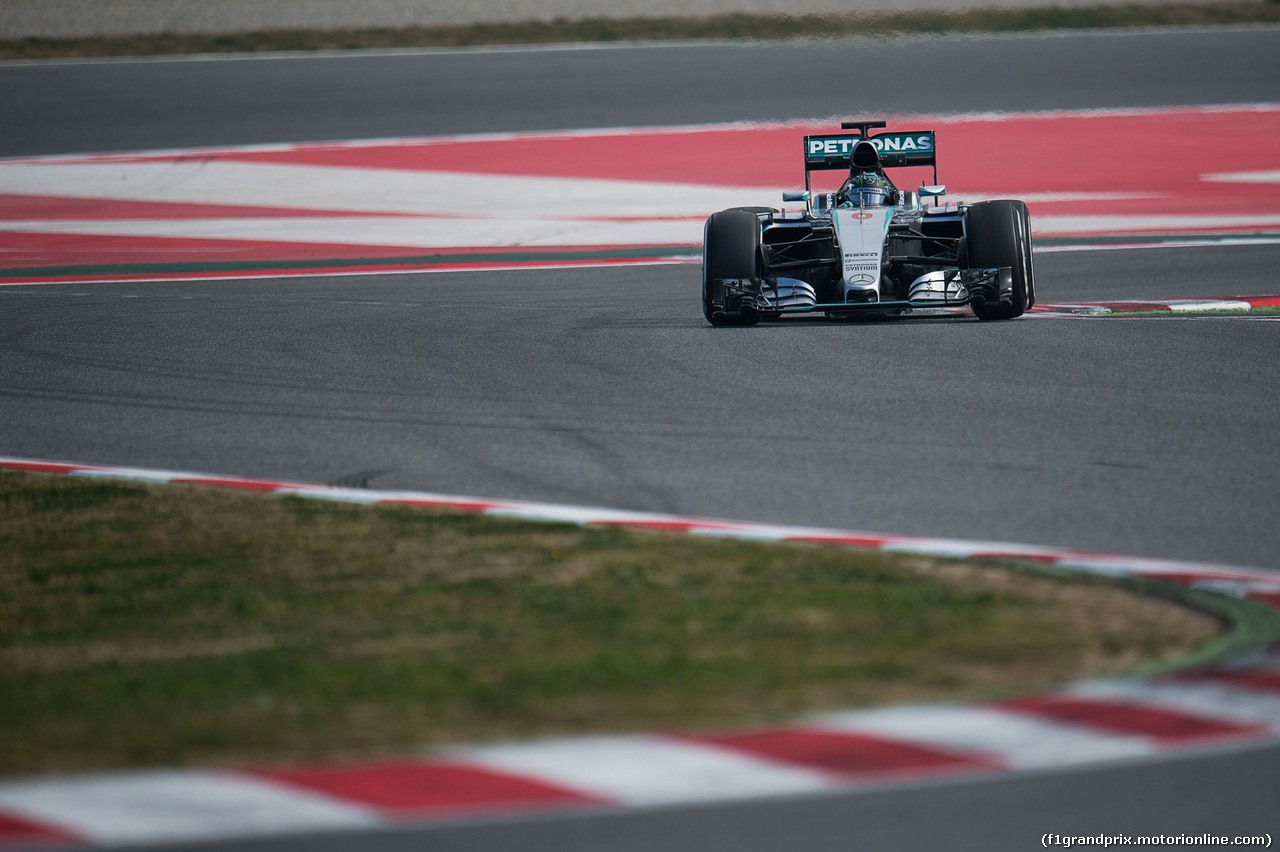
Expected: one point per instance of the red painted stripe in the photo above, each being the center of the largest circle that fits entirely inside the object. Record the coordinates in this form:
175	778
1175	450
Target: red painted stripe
1177	578
1111	157
43	208
712	156
660	526
1181	578
1090	152
1038	558
407	789
692	525
1187	578
45	467
1263	680
1270	598
1167	726
324	269
846	753
233	482
15	831
20	250
1264	301
869	541
457	505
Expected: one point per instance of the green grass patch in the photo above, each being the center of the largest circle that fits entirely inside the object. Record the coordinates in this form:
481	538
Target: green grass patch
727	26
161	625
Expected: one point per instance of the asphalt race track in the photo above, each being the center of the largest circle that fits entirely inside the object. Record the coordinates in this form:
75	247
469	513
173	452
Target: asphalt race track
606	387
108	106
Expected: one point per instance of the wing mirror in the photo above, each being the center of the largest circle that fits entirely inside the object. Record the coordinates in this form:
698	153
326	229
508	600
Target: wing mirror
933	191
796	196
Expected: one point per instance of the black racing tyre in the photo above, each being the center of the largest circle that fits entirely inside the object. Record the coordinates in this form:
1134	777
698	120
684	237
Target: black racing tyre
998	233
730	250
1031	272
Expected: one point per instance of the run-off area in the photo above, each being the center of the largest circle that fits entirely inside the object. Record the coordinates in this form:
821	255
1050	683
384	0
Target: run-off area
603	196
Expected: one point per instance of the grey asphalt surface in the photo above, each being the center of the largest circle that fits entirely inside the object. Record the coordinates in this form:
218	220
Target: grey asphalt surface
606	387
53	108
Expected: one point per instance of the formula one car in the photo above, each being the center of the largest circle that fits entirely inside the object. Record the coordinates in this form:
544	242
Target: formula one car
868	248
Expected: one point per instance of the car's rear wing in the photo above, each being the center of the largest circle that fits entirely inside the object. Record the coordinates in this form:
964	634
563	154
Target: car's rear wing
833	151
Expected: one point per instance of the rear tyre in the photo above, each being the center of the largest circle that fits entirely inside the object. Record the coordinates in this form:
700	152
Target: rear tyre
998	233
730	251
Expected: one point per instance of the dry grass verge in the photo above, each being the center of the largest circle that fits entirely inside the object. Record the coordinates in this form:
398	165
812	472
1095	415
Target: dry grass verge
146	625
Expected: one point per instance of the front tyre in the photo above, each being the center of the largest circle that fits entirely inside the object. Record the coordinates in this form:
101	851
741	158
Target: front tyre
730	252
1025	215
998	233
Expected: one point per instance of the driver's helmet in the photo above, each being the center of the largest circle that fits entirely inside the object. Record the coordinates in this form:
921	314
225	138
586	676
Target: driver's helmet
868	189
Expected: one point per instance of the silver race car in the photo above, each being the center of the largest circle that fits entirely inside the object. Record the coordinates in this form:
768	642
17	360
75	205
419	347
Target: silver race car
868	247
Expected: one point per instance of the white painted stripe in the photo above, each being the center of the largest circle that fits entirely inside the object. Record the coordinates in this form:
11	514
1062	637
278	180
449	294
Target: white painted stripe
1228	703
338	495
964	548
1050	225
1016	740
699	526
647	770
1171	242
1040	198
425	232
358	190
944	548
1271	176
1209	305
176	805
157	476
